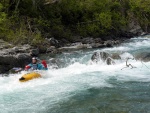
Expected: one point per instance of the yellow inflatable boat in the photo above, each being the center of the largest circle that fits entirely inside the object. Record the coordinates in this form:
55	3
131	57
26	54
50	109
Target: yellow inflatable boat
29	76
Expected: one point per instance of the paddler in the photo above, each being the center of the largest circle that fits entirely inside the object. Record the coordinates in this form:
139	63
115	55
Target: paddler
35	65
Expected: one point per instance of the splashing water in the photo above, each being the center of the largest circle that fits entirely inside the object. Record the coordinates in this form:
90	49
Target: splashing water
81	87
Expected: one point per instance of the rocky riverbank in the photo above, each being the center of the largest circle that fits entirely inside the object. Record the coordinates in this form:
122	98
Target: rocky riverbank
18	56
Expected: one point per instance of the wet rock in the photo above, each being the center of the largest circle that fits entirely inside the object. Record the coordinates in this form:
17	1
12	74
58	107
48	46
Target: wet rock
14	56
34	52
15	70
53	42
97	45
55	63
135	28
42	49
22	56
76	39
4	69
15	49
115	56
97	56
74	46
98	40
144	56
21	49
105	57
52	50
88	40
111	43
7	62
109	61
134	25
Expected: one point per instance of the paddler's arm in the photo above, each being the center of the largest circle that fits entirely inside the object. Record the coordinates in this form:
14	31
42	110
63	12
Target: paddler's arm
27	67
41	67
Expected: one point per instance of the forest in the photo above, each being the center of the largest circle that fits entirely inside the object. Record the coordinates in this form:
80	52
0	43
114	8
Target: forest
31	21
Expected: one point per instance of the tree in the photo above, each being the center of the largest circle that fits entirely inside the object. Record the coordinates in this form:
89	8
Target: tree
142	10
2	19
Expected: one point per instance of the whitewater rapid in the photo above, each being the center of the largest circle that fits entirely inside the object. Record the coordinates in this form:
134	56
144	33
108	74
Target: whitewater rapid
79	85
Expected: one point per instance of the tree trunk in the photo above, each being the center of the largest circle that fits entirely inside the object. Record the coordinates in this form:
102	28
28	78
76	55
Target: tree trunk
18	2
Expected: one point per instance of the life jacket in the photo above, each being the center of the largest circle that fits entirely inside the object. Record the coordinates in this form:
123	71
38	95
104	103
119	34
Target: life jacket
34	66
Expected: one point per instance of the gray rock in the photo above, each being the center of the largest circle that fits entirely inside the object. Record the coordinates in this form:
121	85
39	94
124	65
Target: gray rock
134	25
144	56
88	40
98	40
34	52
115	56
97	45
22	56
52	50
15	49
7	62
22	49
55	63
4	69
53	42
109	43
97	56
109	61
105	57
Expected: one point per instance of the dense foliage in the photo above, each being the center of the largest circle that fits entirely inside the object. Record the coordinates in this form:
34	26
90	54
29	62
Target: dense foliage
29	21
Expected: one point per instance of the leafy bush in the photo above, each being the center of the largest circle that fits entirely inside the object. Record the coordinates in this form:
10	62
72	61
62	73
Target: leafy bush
30	21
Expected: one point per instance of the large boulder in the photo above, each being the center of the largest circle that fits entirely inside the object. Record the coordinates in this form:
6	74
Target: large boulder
14	56
97	56
111	43
34	52
105	57
109	61
53	42
115	56
144	56
97	45
88	40
52	50
7	62
134	25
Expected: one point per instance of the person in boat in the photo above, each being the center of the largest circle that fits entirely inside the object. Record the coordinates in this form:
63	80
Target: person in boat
36	66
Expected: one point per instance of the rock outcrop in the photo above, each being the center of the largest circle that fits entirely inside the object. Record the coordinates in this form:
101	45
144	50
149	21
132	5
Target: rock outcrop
144	56
8	61
15	56
134	25
105	57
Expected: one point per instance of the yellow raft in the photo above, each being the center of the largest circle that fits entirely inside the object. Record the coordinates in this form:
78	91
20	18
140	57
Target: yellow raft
29	76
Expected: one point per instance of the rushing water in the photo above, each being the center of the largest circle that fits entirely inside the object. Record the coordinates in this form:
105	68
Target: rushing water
78	86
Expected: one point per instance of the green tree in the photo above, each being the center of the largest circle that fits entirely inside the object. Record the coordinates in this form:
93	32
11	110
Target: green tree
142	10
3	16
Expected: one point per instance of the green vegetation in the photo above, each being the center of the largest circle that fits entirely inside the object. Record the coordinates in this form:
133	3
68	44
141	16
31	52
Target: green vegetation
30	21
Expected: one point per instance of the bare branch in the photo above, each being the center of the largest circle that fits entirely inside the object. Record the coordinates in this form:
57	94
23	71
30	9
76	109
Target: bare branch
129	65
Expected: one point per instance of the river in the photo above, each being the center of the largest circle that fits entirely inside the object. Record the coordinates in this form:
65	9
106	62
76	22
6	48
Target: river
78	86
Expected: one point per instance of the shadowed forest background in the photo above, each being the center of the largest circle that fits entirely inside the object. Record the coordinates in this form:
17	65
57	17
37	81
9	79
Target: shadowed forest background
30	21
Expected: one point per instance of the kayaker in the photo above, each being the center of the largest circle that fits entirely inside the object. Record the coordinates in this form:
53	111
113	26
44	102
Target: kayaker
35	65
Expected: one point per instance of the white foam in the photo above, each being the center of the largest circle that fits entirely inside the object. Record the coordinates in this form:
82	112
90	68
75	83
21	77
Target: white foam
78	76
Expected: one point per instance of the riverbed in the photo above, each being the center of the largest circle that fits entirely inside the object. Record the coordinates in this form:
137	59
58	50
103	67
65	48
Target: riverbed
80	86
